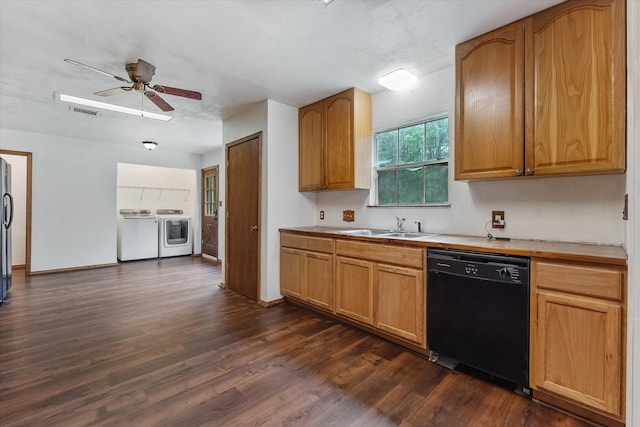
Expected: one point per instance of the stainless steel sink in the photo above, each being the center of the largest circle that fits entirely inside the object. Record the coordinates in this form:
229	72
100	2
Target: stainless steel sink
406	235
364	232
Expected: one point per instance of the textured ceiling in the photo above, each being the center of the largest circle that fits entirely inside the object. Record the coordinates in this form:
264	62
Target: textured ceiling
236	52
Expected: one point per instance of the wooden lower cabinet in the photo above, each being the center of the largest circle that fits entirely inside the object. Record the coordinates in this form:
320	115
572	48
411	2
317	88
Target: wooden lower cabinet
306	269
354	288
400	296
577	338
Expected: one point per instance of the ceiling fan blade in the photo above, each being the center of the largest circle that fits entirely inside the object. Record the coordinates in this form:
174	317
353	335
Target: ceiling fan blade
114	91
145	71
178	92
122	79
161	103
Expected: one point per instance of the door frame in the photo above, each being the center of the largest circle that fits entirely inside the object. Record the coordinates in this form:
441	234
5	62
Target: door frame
27	249
202	201
257	135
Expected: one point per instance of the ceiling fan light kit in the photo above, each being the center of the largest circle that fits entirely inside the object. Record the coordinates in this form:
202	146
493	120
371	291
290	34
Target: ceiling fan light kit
150	145
140	74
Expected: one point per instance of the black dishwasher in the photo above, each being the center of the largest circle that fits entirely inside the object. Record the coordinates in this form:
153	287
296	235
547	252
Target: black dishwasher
478	312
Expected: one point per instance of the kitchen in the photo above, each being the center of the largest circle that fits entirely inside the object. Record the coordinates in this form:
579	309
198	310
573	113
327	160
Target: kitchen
577	209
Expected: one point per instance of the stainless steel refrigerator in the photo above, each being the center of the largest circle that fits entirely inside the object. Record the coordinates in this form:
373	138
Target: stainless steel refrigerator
6	217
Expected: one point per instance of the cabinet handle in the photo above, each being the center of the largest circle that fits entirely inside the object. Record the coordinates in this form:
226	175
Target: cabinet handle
518	172
529	171
253	228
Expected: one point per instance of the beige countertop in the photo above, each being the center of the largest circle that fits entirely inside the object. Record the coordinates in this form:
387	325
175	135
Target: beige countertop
585	252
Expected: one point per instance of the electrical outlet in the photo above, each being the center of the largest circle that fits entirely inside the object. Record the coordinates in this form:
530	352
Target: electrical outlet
321	214
348	216
497	219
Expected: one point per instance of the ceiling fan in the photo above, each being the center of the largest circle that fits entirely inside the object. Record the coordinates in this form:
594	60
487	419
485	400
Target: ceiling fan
140	74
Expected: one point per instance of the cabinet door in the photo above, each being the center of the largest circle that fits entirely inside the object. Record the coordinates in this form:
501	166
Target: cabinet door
319	279
354	287
311	148
339	149
576	88
400	303
490	105
578	350
291	268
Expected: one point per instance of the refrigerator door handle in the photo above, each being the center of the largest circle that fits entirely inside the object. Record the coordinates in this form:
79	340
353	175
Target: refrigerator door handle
7	224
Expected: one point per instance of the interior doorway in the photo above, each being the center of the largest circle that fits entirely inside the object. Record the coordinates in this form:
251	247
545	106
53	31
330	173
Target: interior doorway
209	211
242	221
21	233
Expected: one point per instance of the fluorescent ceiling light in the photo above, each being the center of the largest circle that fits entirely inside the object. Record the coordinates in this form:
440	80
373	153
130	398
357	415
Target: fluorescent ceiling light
112	107
397	80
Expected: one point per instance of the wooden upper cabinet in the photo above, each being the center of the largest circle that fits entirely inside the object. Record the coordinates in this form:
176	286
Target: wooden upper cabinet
545	95
576	108
311	147
490	104
335	142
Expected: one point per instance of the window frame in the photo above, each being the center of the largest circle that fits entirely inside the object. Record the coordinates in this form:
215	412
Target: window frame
399	166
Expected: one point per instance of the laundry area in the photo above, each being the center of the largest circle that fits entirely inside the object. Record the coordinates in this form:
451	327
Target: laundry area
156	211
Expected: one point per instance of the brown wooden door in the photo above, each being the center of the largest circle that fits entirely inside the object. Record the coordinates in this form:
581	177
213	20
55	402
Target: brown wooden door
575	65
209	211
242	268
490	105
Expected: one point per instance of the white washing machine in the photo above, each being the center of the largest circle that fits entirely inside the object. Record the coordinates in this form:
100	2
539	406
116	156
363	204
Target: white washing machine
174	233
137	234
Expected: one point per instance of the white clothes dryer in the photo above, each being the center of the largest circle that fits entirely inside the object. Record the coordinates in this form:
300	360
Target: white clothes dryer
174	233
137	234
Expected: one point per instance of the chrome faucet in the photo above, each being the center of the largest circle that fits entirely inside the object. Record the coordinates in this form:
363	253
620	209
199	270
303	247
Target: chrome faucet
400	222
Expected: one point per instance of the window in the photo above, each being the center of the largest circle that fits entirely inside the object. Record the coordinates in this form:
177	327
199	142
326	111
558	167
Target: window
412	164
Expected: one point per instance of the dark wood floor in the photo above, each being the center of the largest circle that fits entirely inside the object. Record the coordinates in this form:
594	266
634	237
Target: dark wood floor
158	343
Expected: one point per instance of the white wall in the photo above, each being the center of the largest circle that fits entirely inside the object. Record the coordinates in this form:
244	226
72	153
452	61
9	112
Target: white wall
282	204
576	209
633	226
19	193
74	195
154	187
286	206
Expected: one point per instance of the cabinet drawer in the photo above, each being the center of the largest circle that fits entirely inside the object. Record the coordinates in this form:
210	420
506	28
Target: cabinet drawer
389	254
316	244
585	279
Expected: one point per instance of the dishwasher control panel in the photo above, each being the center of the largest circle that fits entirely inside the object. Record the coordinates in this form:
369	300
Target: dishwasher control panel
484	266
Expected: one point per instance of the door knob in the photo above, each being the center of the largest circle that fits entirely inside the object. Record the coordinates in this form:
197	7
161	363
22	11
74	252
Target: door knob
253	228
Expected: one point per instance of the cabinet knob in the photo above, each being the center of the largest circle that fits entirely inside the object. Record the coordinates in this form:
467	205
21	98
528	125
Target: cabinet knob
529	171
518	172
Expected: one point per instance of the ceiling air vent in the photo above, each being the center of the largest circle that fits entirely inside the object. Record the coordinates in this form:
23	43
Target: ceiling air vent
83	111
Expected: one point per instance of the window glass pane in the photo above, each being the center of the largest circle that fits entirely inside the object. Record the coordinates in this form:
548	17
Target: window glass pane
438	139
410	183
412	144
435	183
386	187
387	148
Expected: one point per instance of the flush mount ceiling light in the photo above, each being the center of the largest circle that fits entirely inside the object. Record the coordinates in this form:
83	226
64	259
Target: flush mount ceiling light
326	2
96	104
150	145
397	80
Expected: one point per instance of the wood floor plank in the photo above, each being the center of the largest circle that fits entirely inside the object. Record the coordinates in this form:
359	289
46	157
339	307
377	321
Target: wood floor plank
157	342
